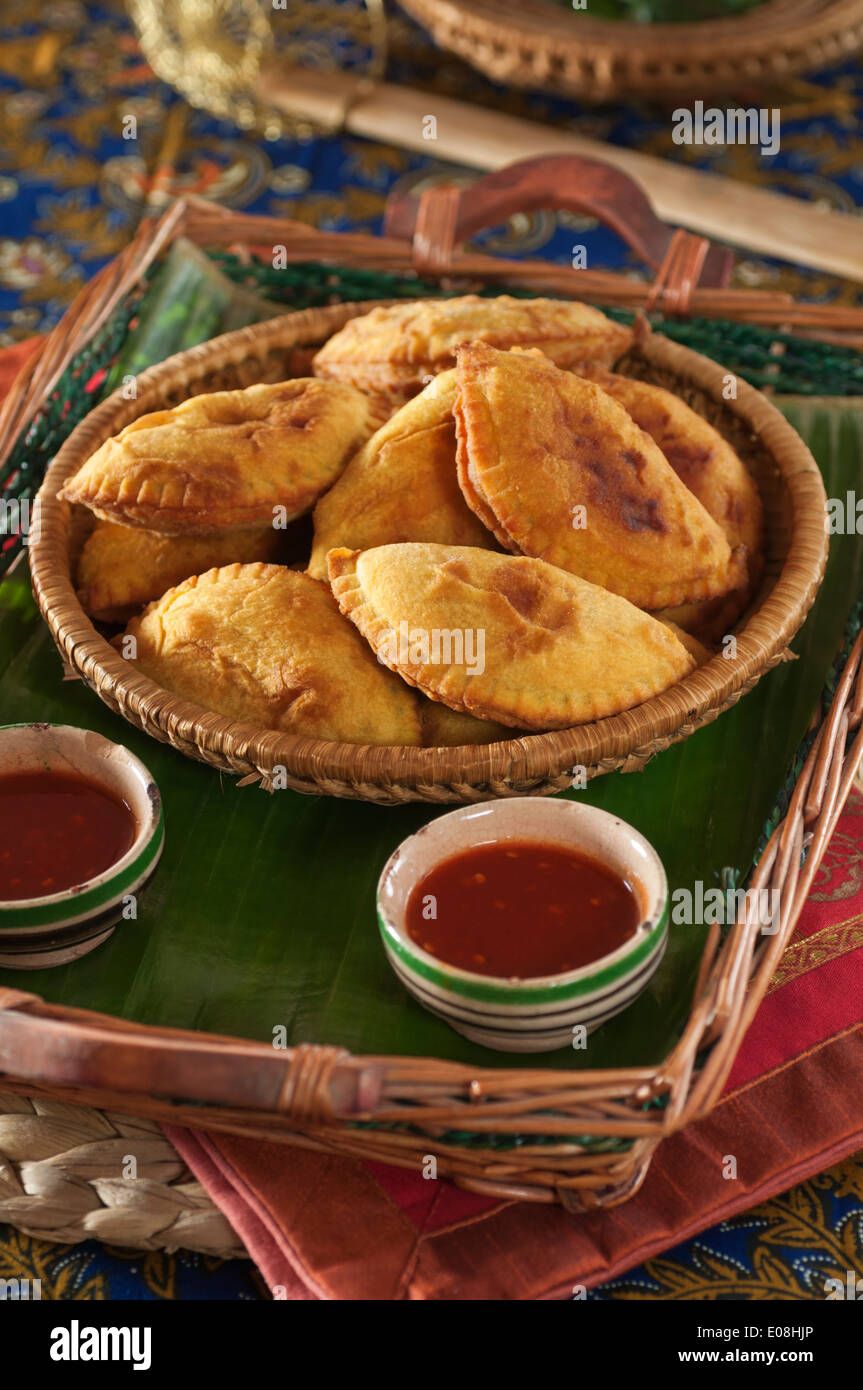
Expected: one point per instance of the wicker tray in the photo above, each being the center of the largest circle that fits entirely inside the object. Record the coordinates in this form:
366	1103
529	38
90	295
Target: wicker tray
580	1138
796	552
529	43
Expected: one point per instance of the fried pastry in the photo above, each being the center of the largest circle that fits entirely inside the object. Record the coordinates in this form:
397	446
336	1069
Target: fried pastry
504	637
401	486
265	645
122	568
700	653
563	474
709	621
699	455
448	728
393	351
230	460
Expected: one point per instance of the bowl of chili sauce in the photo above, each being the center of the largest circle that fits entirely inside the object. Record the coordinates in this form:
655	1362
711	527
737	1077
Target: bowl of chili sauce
81	832
524	923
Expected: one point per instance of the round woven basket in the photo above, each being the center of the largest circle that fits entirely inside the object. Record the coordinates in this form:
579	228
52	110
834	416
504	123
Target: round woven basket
536	44
796	547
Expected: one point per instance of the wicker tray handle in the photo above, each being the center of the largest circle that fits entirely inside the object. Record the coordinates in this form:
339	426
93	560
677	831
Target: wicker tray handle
311	1083
443	217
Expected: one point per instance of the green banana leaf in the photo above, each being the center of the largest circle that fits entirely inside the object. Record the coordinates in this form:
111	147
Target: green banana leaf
262	911
187	302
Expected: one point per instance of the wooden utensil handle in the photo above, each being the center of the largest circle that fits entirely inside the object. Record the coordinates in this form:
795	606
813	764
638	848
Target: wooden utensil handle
443	217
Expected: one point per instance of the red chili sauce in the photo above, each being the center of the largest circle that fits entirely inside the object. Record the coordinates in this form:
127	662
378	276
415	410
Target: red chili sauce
57	830
520	909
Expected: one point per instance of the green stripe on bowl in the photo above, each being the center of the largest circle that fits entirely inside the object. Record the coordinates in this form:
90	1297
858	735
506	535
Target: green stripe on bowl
461	1012
523	994
69	907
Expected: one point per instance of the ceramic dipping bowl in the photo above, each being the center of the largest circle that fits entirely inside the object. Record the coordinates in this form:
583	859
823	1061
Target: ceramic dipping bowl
60	927
537	1014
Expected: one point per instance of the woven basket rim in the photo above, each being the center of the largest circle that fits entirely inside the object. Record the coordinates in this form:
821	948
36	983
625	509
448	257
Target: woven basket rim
543	17
597	57
536	757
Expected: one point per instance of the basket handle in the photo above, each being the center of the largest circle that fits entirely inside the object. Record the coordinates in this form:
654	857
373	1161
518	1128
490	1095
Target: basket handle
443	217
55	1046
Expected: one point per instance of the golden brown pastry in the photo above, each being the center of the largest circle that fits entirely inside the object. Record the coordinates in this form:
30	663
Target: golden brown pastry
265	645
504	637
715	474
393	351
231	460
563	474
121	568
709	621
697	650
401	486
448	728
699	455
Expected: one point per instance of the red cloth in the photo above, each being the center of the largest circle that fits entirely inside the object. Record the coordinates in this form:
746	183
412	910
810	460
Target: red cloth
12	359
320	1226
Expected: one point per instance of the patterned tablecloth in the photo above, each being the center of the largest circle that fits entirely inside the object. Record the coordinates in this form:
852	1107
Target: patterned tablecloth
72	189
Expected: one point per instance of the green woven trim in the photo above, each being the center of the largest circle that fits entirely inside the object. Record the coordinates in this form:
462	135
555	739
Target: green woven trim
805	367
501	1143
77	392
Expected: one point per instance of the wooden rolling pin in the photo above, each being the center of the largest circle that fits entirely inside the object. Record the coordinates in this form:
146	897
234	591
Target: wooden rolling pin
769	224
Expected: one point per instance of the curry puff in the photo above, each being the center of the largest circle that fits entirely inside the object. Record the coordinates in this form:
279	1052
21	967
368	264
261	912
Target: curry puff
230	460
265	645
700	653
505	637
449	728
121	569
710	621
561	472
401	486
393	351
700	457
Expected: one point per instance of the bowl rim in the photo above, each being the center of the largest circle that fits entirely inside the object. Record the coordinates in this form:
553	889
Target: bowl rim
636	949
129	865
536	762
